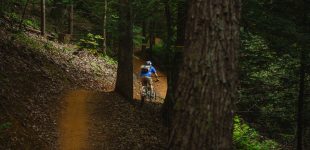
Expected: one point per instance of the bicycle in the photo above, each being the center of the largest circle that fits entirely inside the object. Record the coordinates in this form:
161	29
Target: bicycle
146	92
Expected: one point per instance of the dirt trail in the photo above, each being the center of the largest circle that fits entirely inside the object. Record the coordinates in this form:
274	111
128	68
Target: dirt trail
80	110
74	121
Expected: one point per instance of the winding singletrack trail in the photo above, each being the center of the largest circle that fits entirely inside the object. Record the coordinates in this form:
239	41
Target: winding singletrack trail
103	120
73	126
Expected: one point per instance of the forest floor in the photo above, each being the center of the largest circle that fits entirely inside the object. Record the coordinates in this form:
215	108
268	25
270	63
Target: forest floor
54	97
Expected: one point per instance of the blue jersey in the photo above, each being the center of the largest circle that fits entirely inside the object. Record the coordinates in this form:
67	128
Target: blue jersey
149	73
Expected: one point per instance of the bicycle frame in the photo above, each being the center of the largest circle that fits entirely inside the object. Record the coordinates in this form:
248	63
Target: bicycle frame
146	93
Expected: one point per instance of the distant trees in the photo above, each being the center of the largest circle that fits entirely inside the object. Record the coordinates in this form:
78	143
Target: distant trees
207	83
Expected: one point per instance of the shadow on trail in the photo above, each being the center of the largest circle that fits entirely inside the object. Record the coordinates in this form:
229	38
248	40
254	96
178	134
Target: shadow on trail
120	124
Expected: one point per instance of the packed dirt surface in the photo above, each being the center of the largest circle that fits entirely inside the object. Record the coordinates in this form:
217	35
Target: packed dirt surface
55	97
73	126
103	120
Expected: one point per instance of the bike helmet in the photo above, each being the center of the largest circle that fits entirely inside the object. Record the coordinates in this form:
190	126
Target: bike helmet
148	63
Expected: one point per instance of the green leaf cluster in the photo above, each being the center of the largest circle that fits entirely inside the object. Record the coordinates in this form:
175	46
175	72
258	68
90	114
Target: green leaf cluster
247	138
90	42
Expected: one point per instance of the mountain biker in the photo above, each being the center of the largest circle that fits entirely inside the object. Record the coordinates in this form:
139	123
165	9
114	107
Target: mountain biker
146	74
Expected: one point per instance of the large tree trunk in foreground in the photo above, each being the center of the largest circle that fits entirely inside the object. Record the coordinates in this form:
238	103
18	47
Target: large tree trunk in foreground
208	78
124	82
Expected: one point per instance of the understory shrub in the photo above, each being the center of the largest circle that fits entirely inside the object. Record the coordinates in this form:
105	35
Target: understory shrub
247	138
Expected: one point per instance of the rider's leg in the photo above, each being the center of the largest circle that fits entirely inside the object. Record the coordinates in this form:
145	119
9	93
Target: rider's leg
151	85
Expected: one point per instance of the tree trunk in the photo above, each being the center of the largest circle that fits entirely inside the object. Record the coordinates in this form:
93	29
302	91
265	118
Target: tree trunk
152	40
175	60
104	44
71	19
300	117
301	5
143	48
303	41
124	82
182	16
207	83
23	15
43	17
1	5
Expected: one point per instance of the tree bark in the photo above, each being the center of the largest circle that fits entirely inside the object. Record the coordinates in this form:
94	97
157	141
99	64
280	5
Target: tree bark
43	17
300	116
104	44
301	5
207	81
124	82
71	19
143	48
182	16
1	7
23	15
152	40
175	60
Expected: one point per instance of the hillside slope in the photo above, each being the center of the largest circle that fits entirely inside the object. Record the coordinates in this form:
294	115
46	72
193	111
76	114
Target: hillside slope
35	79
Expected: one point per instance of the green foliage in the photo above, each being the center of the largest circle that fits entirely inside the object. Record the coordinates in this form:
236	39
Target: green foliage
108	59
26	22
90	42
14	17
33	44
137	37
268	87
32	23
246	138
29	42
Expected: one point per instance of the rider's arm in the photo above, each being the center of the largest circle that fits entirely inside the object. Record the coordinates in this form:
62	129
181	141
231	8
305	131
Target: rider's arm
156	75
154	71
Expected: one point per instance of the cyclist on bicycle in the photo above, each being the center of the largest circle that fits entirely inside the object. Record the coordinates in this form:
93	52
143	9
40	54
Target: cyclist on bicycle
146	74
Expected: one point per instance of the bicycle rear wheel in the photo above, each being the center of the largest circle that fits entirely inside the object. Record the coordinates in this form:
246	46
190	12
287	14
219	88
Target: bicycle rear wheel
143	95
